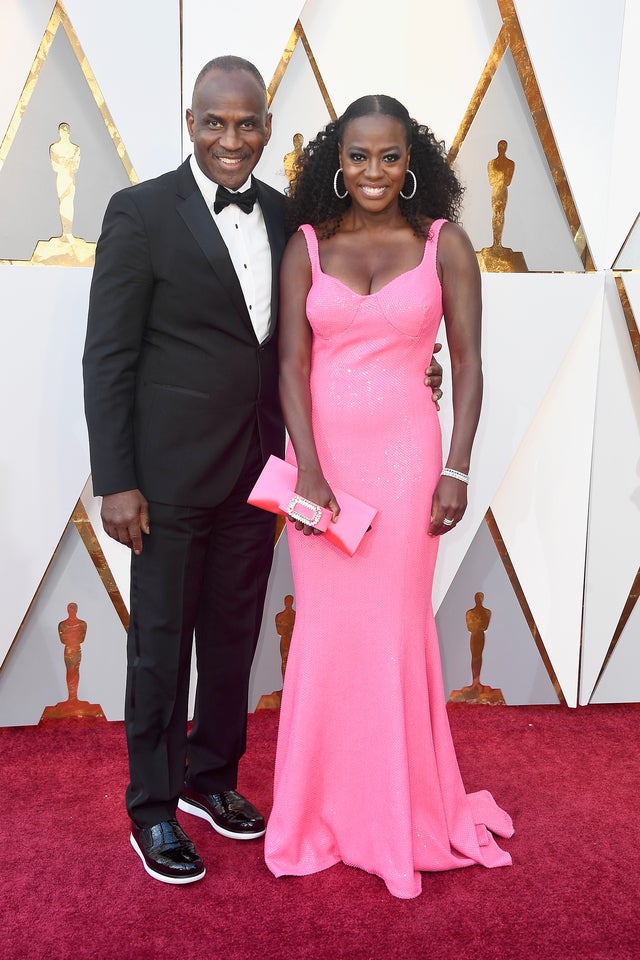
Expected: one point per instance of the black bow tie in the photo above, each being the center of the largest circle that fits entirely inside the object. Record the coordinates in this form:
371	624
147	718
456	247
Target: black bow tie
244	200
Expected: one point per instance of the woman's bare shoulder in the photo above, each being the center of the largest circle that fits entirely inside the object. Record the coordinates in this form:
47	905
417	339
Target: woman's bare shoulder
455	247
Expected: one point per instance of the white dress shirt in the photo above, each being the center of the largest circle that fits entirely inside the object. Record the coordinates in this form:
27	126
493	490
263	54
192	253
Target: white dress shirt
245	236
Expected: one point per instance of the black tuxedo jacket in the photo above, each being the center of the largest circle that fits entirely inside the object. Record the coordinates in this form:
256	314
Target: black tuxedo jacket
175	378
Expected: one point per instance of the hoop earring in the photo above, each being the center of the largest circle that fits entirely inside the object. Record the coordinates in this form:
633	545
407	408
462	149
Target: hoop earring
411	195
340	196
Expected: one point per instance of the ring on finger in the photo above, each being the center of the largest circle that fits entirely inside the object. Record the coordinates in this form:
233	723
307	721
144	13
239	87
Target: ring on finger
448	523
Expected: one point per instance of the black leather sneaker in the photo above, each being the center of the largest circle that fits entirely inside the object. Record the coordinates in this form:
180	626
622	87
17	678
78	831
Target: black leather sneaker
166	852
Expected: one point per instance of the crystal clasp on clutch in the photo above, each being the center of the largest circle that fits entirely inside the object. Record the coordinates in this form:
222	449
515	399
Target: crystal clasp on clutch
305	511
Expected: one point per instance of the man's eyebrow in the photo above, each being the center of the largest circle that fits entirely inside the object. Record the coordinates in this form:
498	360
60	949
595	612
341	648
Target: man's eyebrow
212	115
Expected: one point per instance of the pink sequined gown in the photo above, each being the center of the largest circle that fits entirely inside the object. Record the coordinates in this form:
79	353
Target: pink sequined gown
366	771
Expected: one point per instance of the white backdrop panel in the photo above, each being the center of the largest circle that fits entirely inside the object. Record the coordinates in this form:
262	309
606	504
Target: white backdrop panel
613	552
541	507
266	28
629	258
23	26
575	49
624	198
529	323
632	286
43	454
134	52
620	681
510	658
441	82
35	675
535	222
410	55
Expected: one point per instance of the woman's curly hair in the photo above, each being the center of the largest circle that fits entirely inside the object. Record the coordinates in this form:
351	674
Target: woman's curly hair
311	195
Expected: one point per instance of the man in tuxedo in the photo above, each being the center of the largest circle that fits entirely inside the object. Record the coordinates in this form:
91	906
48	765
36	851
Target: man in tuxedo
181	396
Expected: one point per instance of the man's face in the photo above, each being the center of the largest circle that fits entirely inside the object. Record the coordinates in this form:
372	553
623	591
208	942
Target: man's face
228	125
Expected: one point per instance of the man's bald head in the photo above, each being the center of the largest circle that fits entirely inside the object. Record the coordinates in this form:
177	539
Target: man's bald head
229	64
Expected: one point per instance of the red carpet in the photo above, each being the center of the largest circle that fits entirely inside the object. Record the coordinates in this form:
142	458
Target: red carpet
73	888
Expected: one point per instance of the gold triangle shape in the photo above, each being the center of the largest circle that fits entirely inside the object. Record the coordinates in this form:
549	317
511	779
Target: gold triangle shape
75	252
90	540
298	34
59	19
522	600
511	38
627	610
635	226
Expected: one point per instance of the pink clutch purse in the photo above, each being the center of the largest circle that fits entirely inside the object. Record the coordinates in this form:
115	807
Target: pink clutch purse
275	491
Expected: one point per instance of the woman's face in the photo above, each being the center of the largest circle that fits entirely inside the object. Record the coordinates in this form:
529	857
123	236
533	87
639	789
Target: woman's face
374	156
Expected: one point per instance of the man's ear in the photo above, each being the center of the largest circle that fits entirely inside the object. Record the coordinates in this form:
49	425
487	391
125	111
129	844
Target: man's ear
267	129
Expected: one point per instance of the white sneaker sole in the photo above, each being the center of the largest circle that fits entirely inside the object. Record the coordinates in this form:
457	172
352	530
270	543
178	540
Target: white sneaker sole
161	876
187	807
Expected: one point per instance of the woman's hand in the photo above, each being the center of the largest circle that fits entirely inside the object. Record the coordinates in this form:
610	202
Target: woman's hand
312	486
433	377
449	503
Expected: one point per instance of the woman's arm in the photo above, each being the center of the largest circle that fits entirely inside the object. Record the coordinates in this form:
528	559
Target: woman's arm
462	304
294	347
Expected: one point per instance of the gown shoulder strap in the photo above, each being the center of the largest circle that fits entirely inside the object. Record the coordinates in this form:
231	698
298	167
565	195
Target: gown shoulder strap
312	247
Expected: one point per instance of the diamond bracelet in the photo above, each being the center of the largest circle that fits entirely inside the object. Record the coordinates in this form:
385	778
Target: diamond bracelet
456	474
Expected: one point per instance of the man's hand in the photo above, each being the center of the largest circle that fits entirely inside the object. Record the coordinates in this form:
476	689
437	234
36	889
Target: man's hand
433	376
125	517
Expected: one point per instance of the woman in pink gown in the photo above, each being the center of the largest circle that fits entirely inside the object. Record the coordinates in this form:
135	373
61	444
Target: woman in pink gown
366	771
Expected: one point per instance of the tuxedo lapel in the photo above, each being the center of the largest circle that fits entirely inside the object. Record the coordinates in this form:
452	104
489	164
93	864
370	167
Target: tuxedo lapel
193	210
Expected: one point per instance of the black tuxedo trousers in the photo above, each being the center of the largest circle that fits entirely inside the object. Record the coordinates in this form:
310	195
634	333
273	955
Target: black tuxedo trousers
203	570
